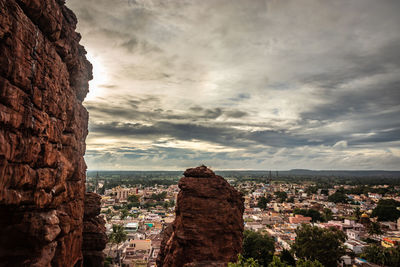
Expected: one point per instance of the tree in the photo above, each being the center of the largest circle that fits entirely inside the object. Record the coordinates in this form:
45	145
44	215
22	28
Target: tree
290	200
314	243
262	203
338	197
374	228
373	253
133	201
357	213
133	198
328	214
276	262
282	196
386	210
382	256
311	190
259	247
107	262
124	214
117	236
242	262
165	205
159	197
324	192
109	214
287	257
308	263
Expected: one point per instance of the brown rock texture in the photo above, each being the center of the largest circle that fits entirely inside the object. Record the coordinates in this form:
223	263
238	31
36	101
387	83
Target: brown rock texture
43	80
94	232
208	228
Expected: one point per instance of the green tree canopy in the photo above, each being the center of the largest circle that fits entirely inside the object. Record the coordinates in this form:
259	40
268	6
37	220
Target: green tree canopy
311	190
259	247
263	201
386	210
133	198
282	196
117	236
374	228
314	243
290	200
159	197
287	257
357	213
242	262
382	256
338	197
327	214
276	262
308	263
124	214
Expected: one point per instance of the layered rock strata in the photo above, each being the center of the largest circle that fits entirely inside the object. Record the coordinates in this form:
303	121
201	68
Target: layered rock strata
43	80
208	228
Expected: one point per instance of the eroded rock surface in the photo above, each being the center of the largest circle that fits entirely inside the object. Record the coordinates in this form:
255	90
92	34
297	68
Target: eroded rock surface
94	232
43	80
208	228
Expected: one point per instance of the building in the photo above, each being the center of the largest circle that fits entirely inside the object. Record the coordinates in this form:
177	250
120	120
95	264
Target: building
389	242
356	246
131	227
299	219
122	194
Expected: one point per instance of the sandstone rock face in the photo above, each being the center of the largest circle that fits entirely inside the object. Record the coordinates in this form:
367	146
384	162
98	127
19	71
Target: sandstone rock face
43	80
94	232
208	228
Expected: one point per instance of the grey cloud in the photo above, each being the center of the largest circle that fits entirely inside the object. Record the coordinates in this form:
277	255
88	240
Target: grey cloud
262	76
236	114
138	109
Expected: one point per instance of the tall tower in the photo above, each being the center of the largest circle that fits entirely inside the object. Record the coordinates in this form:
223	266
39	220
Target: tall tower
270	177
97	182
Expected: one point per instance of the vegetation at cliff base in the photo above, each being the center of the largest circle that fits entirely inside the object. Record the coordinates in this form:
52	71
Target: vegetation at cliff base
258	246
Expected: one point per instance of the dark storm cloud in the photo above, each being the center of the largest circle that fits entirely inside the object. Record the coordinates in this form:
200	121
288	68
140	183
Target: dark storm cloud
226	136
296	83
367	101
358	65
140	110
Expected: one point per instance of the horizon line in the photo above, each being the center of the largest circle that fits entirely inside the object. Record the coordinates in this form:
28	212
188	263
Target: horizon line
241	170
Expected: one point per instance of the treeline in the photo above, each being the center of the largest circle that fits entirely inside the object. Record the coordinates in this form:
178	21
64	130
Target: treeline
313	247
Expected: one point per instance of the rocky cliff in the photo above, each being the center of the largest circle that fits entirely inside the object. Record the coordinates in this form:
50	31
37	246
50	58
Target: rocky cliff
94	232
208	228
43	80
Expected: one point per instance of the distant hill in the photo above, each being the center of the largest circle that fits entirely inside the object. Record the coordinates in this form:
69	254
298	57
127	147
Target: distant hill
258	173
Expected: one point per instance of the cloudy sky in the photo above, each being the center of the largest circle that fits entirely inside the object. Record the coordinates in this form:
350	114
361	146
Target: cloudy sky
242	84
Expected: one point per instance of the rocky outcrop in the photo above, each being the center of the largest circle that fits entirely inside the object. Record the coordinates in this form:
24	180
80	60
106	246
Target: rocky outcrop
43	80
208	228
94	232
